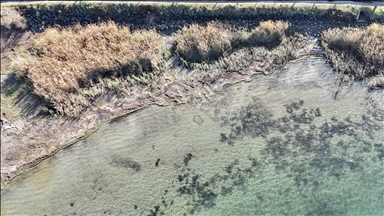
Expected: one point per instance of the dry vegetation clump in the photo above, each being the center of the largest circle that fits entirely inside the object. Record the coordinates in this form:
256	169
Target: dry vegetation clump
197	43
357	52
372	45
262	48
11	19
63	62
12	27
254	58
268	33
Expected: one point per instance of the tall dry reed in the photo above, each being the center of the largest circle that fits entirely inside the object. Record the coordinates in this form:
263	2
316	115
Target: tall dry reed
196	43
62	61
357	52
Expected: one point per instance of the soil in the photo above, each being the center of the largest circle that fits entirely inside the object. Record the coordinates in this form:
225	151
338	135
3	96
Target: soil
39	134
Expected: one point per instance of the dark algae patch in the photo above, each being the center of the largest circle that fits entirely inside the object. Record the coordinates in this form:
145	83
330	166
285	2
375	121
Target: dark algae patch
187	158
157	162
127	163
301	132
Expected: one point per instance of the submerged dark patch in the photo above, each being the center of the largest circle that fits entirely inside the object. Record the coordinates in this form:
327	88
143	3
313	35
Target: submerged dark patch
155	211
127	163
292	136
252	120
187	158
380	150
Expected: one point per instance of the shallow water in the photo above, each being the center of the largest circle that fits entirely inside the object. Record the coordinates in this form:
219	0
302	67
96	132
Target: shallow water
290	143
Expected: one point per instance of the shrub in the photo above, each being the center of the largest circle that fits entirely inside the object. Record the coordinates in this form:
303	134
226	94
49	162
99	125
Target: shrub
268	34
357	52
345	39
377	81
62	61
11	19
197	43
372	45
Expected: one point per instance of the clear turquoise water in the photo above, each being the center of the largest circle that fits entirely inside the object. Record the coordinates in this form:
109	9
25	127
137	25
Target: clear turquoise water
283	144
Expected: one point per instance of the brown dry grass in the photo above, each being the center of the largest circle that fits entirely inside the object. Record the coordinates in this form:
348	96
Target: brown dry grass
357	52
372	45
13	30
196	43
64	61
260	57
268	33
70	67
11	19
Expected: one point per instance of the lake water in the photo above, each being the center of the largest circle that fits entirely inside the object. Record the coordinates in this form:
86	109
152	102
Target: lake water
290	143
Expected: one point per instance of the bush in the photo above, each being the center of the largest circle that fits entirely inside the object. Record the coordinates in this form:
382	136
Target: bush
372	45
11	19
268	34
357	52
377	81
345	39
197	43
62	61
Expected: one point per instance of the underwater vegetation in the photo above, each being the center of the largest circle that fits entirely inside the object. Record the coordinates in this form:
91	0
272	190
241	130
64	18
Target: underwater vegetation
288	137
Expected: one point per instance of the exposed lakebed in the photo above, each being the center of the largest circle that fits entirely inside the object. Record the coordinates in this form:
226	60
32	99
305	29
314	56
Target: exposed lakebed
293	142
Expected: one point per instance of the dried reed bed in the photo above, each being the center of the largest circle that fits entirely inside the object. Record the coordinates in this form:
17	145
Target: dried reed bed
62	62
268	34
71	67
356	52
197	43
11	19
247	56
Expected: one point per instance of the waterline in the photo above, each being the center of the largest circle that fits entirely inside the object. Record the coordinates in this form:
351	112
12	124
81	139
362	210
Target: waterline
280	144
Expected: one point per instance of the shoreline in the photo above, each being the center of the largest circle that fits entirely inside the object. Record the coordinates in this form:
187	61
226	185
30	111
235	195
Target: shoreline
203	91
121	156
174	91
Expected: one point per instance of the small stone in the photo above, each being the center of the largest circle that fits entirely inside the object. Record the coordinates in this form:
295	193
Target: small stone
198	120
